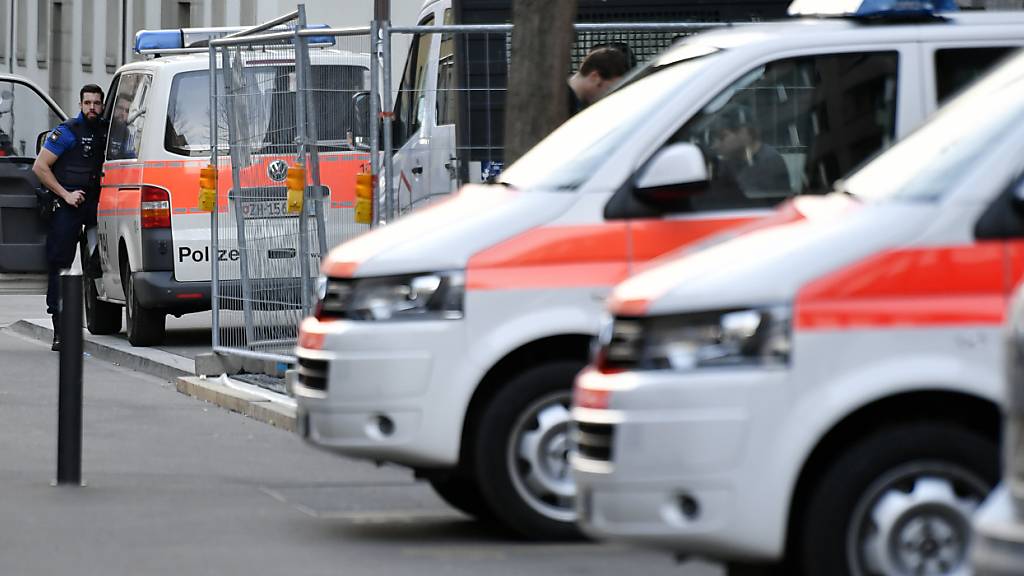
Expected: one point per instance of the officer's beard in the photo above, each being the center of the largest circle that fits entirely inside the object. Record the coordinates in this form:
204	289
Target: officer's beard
92	121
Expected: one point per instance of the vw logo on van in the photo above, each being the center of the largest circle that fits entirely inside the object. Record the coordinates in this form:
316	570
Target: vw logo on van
277	170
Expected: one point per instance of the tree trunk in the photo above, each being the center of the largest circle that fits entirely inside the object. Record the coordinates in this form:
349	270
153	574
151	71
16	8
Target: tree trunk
537	91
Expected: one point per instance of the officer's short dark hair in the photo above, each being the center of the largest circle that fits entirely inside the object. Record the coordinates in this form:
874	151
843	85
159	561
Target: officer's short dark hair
90	88
608	62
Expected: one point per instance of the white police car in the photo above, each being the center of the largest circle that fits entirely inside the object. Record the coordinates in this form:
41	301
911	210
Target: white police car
153	239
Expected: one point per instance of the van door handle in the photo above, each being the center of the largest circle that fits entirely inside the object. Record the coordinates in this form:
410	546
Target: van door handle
417	170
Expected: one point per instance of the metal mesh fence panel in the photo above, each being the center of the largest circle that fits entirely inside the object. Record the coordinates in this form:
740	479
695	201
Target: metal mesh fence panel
338	84
280	108
449	118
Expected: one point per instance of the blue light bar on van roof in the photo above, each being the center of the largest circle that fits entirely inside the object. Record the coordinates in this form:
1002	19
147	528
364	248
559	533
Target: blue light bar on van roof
872	8
150	41
157	40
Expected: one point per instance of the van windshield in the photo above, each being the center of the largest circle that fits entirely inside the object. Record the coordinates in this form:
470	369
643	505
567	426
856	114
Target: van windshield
930	162
572	153
266	110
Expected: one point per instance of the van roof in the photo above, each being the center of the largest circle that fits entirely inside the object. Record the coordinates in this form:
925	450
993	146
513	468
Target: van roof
810	31
201	60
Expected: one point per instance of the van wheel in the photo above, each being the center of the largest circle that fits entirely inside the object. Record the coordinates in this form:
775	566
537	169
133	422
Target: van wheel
145	326
461	493
522	453
100	317
899	503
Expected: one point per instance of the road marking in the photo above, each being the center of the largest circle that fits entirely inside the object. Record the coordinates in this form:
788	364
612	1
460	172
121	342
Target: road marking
365	517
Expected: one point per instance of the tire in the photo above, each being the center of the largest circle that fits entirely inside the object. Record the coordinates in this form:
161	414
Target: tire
100	317
533	494
146	327
462	493
898	503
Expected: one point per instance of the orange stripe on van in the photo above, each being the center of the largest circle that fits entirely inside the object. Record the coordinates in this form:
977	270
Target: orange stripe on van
557	256
586	255
935	286
337	172
469	202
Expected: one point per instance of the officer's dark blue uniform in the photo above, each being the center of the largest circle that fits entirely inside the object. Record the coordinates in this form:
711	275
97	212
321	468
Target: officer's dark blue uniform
79	150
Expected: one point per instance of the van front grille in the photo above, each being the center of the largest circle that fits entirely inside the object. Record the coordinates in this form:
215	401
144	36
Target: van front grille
594	441
313	373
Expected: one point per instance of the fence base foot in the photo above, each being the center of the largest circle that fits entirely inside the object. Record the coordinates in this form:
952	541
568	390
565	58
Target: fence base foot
215	364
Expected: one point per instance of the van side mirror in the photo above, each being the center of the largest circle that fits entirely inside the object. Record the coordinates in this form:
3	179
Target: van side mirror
363	123
1004	218
672	176
1018	196
40	140
361	112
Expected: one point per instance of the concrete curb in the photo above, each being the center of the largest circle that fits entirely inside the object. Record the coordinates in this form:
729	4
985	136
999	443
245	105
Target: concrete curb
251	401
146	360
260	406
22	284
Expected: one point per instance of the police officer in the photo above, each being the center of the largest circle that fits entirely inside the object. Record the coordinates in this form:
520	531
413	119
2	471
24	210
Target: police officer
69	165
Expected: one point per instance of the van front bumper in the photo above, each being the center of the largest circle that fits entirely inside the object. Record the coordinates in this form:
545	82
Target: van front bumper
385	391
998	548
690	466
160	290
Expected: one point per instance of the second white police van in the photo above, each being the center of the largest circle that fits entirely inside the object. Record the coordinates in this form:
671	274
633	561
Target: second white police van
823	389
449	340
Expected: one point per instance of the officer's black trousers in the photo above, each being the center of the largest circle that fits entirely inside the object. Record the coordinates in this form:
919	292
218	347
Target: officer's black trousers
61	243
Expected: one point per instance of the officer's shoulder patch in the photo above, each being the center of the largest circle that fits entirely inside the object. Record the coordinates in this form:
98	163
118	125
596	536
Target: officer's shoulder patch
55	135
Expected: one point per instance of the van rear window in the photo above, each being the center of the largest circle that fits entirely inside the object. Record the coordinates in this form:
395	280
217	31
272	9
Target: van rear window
267	110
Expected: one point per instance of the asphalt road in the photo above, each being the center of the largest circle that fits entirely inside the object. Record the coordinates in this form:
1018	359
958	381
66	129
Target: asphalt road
177	486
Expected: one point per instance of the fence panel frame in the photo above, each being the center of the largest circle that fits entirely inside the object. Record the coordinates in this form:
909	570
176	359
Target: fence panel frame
307	155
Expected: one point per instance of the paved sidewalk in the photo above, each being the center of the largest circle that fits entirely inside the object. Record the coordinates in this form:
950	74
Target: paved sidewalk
175	485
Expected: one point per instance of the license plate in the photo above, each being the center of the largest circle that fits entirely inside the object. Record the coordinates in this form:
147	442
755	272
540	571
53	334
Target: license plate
266	209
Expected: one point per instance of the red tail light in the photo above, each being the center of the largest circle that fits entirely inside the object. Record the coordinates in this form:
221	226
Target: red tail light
156	208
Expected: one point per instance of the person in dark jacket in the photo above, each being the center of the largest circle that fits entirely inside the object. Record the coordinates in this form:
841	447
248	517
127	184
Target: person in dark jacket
69	166
600	71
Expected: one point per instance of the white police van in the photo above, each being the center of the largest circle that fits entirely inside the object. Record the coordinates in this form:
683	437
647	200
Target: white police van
823	389
153	238
448	340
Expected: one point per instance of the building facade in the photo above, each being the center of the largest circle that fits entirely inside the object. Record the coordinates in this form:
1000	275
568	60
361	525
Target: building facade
63	44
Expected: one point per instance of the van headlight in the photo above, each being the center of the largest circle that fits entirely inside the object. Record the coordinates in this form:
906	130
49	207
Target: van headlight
747	337
428	296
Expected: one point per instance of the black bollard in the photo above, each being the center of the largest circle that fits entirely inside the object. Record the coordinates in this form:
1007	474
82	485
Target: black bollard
69	400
